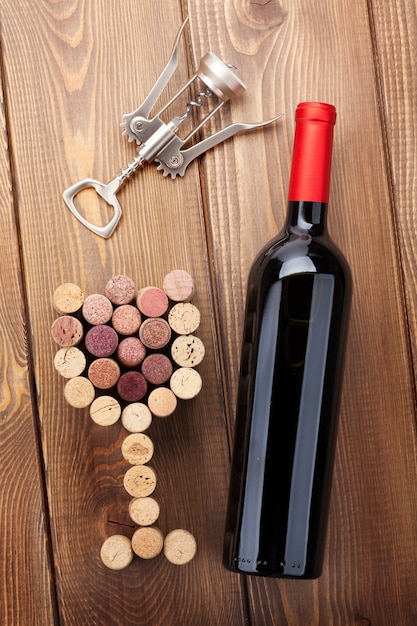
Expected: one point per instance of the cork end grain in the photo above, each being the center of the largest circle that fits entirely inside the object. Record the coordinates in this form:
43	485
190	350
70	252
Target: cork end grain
67	298
116	552
120	289
144	511
79	392
67	331
140	481
180	546
97	309
147	542
105	410
152	301
178	285
136	417
137	449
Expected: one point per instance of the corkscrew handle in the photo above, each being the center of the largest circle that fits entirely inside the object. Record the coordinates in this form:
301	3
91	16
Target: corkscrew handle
107	192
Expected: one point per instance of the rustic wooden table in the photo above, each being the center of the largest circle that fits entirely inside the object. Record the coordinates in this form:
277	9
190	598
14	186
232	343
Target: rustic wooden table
69	70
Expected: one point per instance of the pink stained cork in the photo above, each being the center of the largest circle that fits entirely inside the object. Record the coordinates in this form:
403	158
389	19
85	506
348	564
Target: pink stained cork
97	309
155	333
132	386
101	341
67	331
104	373
126	319
157	369
152	301
120	289
131	352
178	285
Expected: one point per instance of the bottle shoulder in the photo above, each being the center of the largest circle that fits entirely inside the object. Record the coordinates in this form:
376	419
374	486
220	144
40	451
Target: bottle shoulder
299	252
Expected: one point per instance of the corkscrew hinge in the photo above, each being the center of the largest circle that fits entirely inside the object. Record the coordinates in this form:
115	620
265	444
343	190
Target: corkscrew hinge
158	140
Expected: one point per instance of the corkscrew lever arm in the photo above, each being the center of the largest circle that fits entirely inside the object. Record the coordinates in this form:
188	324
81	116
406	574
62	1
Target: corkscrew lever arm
145	108
182	158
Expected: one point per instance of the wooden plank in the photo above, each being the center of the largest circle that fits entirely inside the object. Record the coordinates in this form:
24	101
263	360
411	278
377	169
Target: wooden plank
324	51
26	595
72	71
395	34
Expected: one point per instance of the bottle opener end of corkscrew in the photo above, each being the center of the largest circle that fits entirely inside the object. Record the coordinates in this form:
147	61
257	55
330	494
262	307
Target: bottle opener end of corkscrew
159	141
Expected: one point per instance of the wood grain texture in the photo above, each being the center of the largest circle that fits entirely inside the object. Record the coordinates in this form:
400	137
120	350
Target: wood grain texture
71	69
395	30
26	592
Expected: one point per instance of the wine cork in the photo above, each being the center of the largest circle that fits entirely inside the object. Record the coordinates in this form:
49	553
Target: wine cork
79	392
144	511
132	386
70	362
147	542
137	449
126	319
104	373
97	309
101	341
105	410
120	289
68	298
131	352
155	333
180	546
184	318
162	402
116	552
152	301
178	285
186	383
136	417
140	481
67	331
157	368
187	351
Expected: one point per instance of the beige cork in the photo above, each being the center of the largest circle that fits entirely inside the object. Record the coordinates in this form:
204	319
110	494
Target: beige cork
67	298
140	481
144	511
162	402
147	542
136	417
116	552
70	362
79	392
137	449
187	351
186	383
178	285
180	546
105	411
184	318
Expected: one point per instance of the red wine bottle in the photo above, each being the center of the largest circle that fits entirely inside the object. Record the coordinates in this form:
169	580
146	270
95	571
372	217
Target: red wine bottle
297	310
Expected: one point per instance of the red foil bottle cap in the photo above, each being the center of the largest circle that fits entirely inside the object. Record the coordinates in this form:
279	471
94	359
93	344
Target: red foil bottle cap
312	154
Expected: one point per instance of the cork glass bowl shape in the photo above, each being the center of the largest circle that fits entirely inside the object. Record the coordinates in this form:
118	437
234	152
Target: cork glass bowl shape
130	354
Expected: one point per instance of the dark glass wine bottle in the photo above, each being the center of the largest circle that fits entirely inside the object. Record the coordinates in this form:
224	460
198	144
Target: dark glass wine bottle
297	309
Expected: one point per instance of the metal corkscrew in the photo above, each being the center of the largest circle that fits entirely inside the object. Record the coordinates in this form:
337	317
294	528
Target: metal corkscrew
158	140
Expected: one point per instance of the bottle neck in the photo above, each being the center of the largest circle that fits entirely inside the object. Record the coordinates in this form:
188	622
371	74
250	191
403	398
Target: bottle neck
309	217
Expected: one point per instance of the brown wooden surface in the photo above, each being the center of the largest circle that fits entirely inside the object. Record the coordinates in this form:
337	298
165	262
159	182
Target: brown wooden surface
69	72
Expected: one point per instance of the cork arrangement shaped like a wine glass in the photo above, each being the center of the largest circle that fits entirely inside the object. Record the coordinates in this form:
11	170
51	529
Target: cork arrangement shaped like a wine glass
130	354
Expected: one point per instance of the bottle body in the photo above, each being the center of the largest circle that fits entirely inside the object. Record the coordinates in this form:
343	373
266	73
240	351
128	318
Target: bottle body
294	338
286	422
